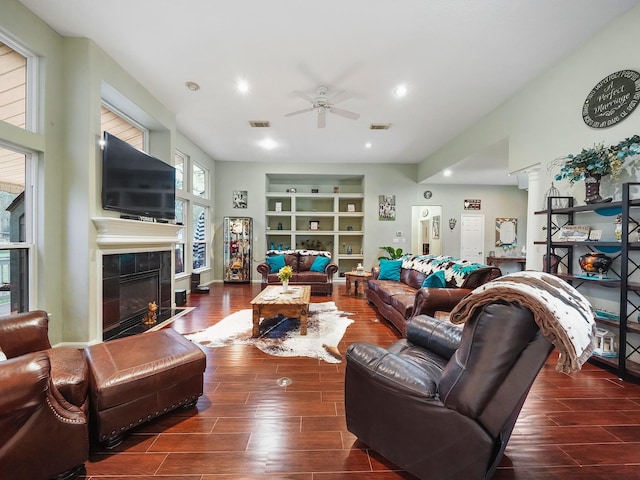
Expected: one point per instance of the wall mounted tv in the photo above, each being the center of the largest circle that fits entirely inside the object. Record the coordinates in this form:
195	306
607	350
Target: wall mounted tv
135	183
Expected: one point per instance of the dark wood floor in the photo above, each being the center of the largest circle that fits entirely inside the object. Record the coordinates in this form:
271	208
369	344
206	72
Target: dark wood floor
578	426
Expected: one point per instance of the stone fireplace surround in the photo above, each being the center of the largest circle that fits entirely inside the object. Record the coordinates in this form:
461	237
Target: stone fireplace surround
136	263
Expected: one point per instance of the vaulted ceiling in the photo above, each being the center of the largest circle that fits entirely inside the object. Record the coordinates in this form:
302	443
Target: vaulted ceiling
459	60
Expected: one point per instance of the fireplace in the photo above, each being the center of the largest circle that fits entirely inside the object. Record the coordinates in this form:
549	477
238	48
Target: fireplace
130	281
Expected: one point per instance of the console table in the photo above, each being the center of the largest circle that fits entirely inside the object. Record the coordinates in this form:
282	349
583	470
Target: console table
496	261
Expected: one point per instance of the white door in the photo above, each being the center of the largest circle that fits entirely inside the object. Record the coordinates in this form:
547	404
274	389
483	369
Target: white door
472	238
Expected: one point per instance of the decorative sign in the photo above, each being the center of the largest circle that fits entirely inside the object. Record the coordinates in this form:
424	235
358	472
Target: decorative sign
472	204
612	99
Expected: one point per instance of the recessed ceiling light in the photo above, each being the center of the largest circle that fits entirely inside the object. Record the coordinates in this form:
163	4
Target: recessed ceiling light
242	86
447	173
400	91
193	86
367	145
268	144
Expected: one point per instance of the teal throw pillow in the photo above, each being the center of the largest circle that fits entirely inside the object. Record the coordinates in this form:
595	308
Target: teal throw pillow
276	262
390	270
435	280
319	264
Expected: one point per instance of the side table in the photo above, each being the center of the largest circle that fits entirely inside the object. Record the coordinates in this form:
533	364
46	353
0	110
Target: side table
358	278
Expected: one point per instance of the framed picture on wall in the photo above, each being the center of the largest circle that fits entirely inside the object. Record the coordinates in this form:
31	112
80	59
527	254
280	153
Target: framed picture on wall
240	199
386	207
435	227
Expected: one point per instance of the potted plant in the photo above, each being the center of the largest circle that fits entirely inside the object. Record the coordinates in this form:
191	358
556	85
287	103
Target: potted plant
591	164
393	253
284	275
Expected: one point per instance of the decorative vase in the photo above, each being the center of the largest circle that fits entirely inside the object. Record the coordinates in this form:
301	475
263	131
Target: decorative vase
595	263
285	286
592	188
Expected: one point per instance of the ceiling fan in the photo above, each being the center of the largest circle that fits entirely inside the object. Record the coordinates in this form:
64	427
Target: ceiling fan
323	104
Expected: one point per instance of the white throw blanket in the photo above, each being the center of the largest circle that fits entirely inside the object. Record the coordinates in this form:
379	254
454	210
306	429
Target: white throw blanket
564	316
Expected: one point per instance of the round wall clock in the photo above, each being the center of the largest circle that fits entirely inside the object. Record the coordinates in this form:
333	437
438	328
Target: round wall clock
427	194
612	99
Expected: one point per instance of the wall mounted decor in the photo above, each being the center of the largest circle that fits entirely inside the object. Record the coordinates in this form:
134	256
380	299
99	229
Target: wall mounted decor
386	207
506	231
612	99
435	227
472	204
240	199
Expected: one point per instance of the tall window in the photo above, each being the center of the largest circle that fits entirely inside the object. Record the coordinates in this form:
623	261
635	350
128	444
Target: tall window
15	233
13	86
192	185
18	89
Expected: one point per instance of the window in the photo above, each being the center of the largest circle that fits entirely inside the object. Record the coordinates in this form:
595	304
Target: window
16	84
200	179
199	236
180	244
179	162
192	211
15	232
125	129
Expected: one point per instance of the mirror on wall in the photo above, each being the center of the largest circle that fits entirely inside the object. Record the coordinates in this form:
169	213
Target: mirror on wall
426	229
506	229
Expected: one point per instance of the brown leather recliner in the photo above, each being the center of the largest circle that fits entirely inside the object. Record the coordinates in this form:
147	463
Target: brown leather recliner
442	403
43	402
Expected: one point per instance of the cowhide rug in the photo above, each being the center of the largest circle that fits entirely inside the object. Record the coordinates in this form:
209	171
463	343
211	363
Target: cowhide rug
280	335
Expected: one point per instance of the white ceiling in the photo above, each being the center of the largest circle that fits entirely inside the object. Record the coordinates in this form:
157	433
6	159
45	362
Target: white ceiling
460	59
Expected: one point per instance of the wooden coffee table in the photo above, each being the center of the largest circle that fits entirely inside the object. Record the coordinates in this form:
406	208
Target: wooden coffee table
271	301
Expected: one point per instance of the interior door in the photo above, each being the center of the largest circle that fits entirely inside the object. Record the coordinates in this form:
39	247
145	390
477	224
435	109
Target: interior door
472	238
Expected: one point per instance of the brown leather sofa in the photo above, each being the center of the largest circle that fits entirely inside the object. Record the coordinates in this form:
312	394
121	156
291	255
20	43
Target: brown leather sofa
301	262
397	302
43	402
443	402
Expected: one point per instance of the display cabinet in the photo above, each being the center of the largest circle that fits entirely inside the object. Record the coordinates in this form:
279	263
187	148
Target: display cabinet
319	212
618	333
237	232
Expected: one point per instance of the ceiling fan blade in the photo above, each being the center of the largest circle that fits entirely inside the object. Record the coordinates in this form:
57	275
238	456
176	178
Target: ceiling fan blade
344	113
322	118
303	95
340	97
298	111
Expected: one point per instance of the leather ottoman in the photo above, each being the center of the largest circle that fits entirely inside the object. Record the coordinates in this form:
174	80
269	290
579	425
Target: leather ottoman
137	378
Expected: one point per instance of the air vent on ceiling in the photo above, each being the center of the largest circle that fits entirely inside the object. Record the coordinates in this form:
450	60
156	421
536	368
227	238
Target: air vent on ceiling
259	123
380	126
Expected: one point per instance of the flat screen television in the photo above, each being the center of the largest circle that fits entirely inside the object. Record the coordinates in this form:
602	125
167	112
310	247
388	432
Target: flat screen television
136	183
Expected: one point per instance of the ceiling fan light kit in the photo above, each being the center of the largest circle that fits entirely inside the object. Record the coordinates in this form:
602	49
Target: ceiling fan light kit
321	103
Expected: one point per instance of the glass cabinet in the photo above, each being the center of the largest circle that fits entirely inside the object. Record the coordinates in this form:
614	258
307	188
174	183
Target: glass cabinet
238	233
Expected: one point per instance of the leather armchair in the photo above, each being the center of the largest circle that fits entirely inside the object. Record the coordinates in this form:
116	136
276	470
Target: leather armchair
43	402
442	402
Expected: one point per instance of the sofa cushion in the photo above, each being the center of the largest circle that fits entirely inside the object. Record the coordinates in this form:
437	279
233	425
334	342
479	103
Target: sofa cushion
403	303
276	262
319	264
390	270
435	280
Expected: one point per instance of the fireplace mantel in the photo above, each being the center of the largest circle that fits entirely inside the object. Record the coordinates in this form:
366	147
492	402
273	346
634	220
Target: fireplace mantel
119	232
